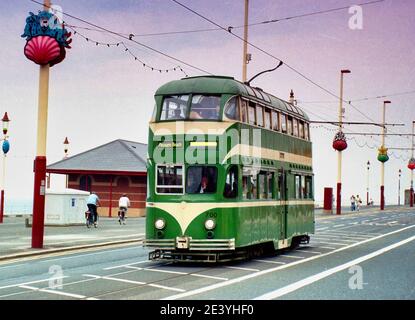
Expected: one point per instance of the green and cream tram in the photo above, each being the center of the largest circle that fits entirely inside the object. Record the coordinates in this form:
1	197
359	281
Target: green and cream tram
229	172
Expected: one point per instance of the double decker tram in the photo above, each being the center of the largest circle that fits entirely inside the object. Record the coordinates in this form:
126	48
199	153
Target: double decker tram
229	172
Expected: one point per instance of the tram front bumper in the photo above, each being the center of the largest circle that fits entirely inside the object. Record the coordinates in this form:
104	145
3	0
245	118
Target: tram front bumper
187	243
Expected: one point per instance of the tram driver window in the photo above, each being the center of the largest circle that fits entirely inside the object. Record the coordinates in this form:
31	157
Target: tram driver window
201	179
205	107
232	109
174	108
169	179
231	183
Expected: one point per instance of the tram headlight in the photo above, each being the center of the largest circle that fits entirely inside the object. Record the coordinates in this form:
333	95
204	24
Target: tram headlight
210	224
160	224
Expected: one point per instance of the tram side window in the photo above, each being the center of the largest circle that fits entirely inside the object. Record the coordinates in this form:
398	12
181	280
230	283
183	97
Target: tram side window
295	127
297	186
301	129
262	187
275	121
309	187
303	194
307	131
251	113
232	109
267	119
280	190
243	106
174	108
289	125
205	107
283	123
249	185
270	185
201	179
259	116
231	183
170	179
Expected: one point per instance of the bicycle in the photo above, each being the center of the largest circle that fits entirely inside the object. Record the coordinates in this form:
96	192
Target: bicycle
121	215
90	219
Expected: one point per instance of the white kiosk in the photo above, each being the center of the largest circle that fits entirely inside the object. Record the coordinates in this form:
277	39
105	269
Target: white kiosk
65	207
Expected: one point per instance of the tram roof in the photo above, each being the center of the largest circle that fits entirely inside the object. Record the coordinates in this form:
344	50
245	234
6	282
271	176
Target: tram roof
227	85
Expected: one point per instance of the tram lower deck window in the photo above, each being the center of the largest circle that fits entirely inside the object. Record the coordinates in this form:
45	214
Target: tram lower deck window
169	179
201	179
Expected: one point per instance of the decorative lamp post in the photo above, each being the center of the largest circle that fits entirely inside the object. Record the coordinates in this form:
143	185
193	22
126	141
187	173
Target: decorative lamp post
5	148
383	157
46	44
399	187
411	166
66	149
340	144
367	183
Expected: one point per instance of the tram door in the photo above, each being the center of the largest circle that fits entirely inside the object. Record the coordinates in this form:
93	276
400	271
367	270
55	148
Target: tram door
282	193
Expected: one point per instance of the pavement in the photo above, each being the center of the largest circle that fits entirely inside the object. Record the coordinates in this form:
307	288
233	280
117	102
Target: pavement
366	255
15	236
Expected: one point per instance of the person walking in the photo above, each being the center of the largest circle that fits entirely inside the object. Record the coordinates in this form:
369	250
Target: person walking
358	202
352	203
123	205
93	202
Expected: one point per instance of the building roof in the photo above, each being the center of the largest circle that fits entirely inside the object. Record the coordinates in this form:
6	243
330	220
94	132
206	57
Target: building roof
116	157
228	85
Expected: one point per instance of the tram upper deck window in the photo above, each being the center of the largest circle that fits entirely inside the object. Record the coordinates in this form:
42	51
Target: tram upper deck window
295	127
201	179
205	107
251	114
301	129
169	179
174	108
283	123
232	109
244	117
275	121
259	116
267	118
306	131
289	125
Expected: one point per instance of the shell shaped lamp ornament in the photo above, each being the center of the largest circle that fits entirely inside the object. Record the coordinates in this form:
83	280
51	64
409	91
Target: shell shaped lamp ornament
383	154
339	141
46	39
411	164
6	146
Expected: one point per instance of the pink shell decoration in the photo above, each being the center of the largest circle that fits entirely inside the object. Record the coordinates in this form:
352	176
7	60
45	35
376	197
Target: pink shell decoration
42	49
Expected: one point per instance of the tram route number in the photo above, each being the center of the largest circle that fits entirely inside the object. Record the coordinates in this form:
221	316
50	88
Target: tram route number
211	215
208	310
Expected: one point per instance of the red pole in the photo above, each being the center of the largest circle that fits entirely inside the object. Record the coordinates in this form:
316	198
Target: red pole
39	202
339	199
382	197
110	215
367	197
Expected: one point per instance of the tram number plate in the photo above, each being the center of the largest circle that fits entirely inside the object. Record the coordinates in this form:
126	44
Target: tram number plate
182	243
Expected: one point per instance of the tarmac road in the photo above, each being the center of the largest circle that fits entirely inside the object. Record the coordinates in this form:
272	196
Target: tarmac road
368	255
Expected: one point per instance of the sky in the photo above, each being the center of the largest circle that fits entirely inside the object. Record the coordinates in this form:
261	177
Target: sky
99	94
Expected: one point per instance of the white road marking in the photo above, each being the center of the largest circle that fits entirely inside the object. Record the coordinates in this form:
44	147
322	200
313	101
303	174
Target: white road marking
58	292
333	243
240	268
338	225
270	261
327	238
165	271
319	229
330	248
126	265
308	251
31	282
292	257
260	273
134	282
309	280
206	276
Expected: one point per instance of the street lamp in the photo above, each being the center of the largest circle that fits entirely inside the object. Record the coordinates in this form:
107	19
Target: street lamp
399	187
383	157
5	147
339	152
367	183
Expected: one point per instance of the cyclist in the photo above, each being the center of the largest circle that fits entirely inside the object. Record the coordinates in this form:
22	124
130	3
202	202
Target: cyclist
123	205
92	203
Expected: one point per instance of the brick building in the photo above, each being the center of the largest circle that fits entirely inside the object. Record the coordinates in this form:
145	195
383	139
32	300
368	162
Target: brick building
109	170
